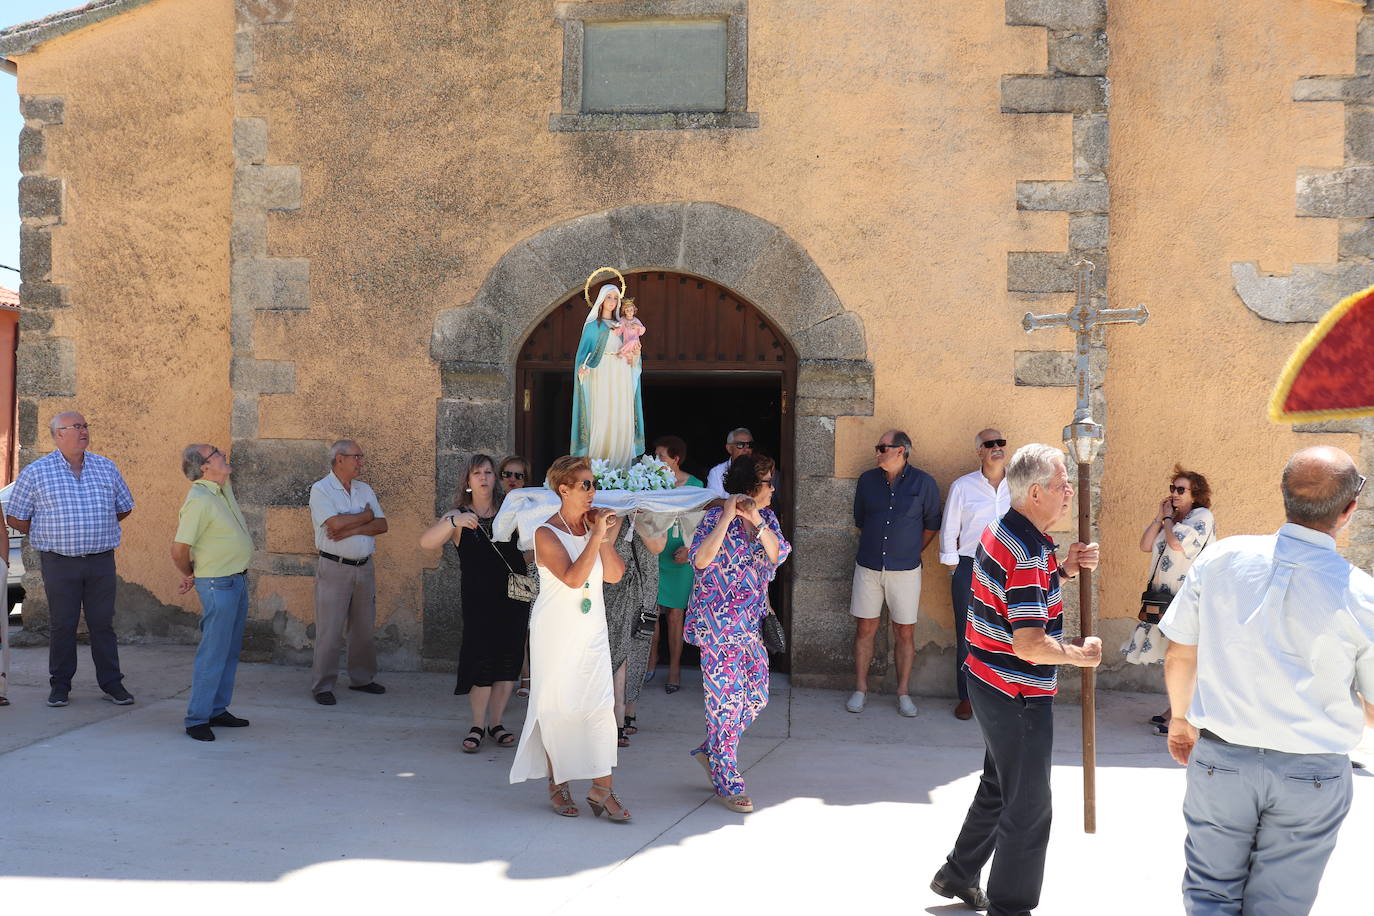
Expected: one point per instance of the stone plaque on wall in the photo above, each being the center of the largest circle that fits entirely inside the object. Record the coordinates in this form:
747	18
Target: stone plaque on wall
658	65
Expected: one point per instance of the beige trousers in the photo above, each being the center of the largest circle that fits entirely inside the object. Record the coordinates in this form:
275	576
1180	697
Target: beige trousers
4	651
345	611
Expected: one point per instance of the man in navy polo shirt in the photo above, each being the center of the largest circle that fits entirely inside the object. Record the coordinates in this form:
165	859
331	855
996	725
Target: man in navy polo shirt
897	511
1015	639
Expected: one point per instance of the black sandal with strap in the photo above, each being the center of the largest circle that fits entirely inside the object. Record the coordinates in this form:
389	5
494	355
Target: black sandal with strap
473	740
630	727
502	737
620	738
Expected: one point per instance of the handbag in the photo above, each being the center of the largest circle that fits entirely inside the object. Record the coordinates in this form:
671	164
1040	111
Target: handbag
774	639
646	618
519	586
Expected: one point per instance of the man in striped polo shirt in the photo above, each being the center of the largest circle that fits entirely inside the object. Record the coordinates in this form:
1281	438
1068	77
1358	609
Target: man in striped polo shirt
1015	627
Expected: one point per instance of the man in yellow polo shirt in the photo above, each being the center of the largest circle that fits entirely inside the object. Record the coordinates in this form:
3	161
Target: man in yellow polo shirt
211	550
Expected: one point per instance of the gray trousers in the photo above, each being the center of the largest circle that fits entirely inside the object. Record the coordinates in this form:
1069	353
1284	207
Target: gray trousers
345	611
1261	826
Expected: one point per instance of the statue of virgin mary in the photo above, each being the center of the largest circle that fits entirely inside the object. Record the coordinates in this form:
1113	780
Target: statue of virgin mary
607	416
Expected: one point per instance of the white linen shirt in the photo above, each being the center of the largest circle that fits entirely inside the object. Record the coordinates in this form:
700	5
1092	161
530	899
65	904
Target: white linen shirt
328	498
715	479
972	505
1284	629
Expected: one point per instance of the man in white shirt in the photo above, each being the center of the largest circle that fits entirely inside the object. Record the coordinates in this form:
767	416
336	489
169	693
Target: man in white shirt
975	501
1271	652
738	442
347	519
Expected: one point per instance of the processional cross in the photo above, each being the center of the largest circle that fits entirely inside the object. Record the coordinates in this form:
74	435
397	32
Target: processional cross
1083	438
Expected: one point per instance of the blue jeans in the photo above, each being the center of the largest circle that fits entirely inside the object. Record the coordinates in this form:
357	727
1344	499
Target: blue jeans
224	609
1261	825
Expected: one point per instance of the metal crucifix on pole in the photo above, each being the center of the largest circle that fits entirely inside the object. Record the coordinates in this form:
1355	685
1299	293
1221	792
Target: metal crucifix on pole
1084	437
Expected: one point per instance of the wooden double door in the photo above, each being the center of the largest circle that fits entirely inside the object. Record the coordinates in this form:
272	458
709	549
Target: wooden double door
712	362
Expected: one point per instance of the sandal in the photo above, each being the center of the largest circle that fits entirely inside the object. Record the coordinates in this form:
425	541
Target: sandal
737	803
621	740
473	740
1159	720
4	701
703	758
630	727
523	690
562	801
502	737
609	805
671	688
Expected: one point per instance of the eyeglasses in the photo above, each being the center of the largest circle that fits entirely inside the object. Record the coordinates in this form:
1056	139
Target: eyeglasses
81	426
586	485
748	443
995	443
1359	486
358	455
882	447
507	475
213	452
1179	490
770	482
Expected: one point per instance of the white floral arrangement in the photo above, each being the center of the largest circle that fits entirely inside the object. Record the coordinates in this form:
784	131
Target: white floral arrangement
648	473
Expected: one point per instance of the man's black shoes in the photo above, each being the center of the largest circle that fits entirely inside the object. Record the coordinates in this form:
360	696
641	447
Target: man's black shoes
58	697
372	687
972	896
201	732
227	719
325	698
119	696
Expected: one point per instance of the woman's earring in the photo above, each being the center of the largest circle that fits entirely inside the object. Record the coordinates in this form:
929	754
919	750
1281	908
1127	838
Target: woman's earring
468	490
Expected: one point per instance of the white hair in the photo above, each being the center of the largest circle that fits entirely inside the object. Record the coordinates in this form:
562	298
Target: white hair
730	436
337	449
978	436
1031	464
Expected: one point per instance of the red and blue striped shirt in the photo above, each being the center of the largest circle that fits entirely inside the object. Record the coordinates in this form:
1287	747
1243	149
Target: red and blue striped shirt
1015	585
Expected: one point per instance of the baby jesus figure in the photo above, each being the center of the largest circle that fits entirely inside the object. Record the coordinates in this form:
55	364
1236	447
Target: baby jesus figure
631	329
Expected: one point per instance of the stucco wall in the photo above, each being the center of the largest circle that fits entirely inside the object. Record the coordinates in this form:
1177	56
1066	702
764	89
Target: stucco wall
143	152
421	132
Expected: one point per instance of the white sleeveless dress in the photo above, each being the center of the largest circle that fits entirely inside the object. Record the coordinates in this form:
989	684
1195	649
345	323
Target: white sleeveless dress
571	714
611	403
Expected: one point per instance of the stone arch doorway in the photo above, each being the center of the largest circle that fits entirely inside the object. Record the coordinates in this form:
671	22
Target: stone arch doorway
477	347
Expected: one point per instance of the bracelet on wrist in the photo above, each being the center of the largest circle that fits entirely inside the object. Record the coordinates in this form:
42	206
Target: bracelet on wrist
453	521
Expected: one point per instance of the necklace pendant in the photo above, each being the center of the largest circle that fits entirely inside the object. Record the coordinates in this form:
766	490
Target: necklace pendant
586	605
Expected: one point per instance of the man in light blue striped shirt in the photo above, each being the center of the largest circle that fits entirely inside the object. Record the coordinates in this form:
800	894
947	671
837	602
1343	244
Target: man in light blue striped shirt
1271	655
70	503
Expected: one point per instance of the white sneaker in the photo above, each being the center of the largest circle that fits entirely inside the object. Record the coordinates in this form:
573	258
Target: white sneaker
906	707
855	702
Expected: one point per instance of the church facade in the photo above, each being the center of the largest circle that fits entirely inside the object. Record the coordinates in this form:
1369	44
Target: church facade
269	224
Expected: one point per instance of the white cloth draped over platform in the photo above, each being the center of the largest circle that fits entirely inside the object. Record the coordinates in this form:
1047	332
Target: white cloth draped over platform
529	507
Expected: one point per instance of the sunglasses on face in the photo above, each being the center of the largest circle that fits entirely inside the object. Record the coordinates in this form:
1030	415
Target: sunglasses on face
507	475
995	443
585	485
882	447
1179	490
745	444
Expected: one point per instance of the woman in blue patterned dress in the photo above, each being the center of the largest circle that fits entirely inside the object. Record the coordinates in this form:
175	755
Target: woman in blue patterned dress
736	550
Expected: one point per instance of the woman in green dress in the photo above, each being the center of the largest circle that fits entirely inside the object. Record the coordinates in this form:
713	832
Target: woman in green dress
674	569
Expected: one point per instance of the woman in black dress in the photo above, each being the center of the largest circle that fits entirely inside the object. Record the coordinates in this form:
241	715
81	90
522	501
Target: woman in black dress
494	626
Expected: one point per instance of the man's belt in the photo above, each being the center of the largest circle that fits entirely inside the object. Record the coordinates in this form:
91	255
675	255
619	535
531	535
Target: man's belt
345	560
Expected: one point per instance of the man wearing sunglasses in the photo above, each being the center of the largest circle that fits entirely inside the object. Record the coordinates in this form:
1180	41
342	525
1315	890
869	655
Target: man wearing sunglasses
897	511
975	501
347	520
1269	668
738	442
70	503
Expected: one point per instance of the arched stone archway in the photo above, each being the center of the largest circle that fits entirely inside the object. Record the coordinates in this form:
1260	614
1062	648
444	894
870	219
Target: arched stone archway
476	347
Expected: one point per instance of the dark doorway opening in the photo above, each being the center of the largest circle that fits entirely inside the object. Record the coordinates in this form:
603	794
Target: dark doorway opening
712	362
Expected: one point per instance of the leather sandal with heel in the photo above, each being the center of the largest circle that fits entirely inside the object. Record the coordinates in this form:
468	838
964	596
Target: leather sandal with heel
562	801
502	737
630	727
609	805
737	803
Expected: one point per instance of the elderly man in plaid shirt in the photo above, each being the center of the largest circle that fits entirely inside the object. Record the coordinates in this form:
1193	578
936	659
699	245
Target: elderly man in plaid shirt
70	503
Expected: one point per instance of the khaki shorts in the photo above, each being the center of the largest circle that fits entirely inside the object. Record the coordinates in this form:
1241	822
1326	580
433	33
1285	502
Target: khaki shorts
900	588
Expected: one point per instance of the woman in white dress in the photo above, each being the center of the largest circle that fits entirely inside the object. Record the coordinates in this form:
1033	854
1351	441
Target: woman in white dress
1182	527
570	729
608	413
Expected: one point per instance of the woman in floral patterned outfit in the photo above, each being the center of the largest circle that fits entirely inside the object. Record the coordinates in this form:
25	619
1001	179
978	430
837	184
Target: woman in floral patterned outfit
736	550
1181	528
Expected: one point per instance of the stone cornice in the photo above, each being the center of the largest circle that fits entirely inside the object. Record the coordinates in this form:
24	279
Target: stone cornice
24	37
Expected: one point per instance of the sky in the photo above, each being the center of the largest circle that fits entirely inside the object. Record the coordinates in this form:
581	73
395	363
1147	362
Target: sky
13	12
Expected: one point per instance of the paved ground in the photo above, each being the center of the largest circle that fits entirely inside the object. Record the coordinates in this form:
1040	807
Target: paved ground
369	805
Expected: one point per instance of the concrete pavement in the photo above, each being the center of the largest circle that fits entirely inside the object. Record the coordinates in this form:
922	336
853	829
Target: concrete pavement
370	805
